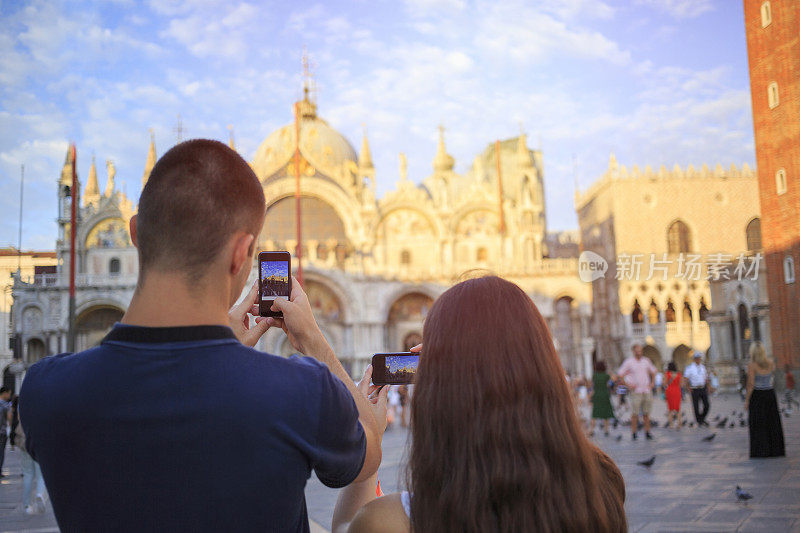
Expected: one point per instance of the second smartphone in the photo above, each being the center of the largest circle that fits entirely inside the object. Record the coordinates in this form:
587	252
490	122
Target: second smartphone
394	368
274	280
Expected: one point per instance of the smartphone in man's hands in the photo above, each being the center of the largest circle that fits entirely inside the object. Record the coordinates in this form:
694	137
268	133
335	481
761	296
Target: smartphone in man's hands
274	280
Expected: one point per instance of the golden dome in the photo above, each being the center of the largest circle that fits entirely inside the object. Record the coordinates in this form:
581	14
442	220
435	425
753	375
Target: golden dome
325	149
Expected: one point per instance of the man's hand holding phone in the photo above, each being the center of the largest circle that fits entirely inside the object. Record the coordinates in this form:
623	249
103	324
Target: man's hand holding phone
299	324
239	318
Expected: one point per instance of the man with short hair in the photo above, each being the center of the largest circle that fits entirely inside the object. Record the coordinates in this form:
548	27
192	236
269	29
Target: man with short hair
696	378
5	423
639	373
127	434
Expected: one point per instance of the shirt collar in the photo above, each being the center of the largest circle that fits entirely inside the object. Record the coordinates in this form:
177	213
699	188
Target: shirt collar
142	334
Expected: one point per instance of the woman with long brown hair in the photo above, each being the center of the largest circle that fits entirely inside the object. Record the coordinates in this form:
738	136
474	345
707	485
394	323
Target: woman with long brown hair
496	443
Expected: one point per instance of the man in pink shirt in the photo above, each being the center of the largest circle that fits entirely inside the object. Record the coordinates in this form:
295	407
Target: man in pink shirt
639	374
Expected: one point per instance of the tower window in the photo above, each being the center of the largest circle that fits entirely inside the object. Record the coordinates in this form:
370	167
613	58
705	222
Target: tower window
405	257
766	14
788	269
772	95
483	255
114	266
780	181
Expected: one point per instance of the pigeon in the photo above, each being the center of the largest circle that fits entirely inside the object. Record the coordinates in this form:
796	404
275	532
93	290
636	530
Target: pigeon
786	414
691	424
683	424
647	463
742	423
716	418
741	495
723	422
616	423
709	438
619	438
732	425
654	423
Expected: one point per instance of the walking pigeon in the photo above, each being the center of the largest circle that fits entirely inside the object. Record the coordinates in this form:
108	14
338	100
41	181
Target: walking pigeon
648	463
741	495
709	438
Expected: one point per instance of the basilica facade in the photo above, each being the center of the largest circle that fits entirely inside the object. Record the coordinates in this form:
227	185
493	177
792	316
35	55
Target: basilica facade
371	266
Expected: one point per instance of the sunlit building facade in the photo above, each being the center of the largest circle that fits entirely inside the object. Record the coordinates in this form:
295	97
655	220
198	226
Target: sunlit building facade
371	266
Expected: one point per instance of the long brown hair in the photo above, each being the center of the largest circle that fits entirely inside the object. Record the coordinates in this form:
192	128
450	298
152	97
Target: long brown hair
496	443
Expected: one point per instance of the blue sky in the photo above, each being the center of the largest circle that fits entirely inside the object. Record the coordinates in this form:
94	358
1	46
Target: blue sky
655	81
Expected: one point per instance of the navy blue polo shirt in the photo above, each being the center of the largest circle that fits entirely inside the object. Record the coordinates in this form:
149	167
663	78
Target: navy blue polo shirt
186	429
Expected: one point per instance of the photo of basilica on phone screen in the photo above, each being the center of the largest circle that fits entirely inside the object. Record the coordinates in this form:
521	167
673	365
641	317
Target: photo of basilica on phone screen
274	279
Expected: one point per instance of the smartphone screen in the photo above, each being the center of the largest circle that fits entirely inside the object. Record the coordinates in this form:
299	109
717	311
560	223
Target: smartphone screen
394	368
274	280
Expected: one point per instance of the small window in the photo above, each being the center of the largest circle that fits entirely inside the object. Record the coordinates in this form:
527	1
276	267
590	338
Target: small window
766	14
483	255
678	238
113	266
780	181
788	269
405	257
772	95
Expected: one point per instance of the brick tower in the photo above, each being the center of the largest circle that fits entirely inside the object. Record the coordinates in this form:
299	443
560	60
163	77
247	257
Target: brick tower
773	46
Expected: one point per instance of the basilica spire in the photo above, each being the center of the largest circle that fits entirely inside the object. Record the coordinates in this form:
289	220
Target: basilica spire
110	183
151	159
443	161
66	170
365	156
230	138
92	193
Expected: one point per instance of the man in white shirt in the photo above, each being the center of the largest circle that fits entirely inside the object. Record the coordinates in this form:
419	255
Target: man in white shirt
696	378
639	374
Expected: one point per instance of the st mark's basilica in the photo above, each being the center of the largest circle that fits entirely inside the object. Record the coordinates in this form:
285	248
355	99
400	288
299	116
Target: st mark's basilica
371	266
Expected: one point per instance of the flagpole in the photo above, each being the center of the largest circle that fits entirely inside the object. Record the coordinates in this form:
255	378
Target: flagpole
19	241
72	231
298	212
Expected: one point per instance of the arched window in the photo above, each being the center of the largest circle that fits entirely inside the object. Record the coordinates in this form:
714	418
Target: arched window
780	181
678	238
753	232
669	313
766	15
653	316
114	266
703	310
772	95
687	311
637	317
482	254
405	257
788	269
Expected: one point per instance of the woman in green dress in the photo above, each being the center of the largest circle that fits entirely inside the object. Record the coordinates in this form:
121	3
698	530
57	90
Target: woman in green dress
601	397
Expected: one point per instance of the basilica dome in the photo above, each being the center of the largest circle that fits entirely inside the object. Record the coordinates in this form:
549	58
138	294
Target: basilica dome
325	149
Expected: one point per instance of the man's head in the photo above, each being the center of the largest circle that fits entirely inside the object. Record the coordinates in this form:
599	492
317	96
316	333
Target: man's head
202	200
698	357
637	351
5	393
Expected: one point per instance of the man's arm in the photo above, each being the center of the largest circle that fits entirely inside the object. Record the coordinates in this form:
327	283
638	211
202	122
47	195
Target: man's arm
300	326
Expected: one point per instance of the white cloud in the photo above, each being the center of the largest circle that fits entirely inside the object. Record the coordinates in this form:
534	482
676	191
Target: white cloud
681	9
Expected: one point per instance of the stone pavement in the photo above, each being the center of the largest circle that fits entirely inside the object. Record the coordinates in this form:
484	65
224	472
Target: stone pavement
689	488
